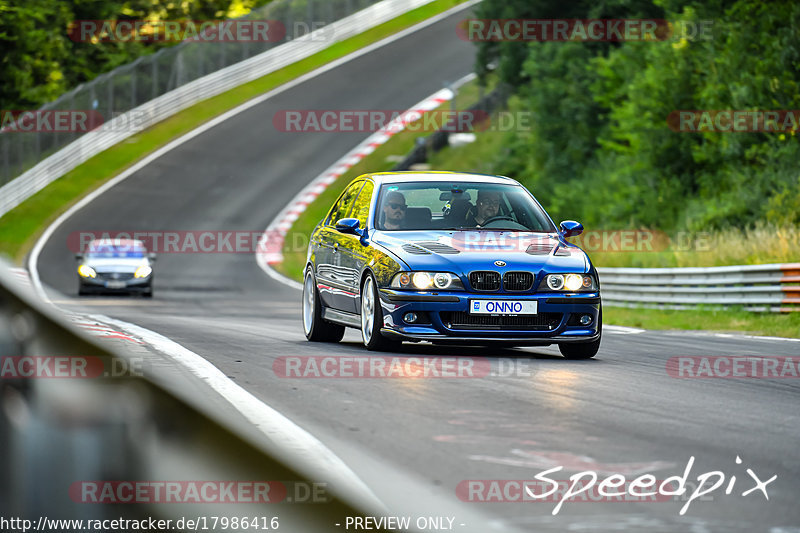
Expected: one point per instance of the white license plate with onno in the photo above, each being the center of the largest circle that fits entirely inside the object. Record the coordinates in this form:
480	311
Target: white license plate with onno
114	284
503	307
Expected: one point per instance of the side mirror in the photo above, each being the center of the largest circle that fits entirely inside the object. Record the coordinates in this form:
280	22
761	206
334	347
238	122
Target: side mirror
78	257
570	228
151	256
348	225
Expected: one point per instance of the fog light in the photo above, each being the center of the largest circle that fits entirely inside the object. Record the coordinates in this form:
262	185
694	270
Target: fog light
410	317
586	320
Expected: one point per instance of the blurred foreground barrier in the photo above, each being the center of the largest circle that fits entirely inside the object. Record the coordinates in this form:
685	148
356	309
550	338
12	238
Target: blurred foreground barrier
771	288
136	96
71	441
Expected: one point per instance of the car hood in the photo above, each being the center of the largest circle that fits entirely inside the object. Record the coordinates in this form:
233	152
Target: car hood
461	252
116	264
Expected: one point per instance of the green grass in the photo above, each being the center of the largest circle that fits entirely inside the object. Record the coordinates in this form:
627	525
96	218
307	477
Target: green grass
20	227
779	325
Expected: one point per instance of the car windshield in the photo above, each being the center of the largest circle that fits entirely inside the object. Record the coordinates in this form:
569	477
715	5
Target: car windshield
458	206
109	251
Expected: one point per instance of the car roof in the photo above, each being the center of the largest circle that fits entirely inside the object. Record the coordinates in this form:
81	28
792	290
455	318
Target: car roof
439	175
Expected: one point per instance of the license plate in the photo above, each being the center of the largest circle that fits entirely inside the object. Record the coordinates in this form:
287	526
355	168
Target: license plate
503	307
115	284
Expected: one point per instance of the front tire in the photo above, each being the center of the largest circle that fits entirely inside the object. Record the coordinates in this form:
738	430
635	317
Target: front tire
314	326
372	318
582	350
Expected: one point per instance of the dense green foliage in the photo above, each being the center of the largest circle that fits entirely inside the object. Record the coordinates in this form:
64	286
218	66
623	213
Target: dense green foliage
600	148
39	61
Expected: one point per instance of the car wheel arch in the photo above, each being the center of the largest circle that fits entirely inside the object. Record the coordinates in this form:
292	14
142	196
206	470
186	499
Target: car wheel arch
364	274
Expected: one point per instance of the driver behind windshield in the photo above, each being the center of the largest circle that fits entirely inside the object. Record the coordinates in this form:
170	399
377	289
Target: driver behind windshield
394	211
487	207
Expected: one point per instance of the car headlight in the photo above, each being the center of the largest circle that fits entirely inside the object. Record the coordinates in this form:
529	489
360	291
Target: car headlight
142	272
569	282
426	280
85	271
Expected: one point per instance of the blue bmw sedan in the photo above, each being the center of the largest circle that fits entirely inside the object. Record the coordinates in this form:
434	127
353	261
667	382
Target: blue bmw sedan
449	258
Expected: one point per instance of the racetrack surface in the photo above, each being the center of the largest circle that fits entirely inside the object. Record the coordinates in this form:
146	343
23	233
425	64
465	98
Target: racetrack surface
620	412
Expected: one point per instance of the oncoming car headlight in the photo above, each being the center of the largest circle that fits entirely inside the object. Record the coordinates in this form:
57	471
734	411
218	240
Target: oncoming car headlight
426	280
85	271
142	272
569	282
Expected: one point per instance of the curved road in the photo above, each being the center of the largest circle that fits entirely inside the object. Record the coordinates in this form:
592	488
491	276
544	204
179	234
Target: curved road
620	412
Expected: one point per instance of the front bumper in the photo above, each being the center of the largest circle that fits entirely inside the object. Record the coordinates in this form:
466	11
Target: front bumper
446	318
107	285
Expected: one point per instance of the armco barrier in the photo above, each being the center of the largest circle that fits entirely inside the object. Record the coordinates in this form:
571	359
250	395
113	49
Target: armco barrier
166	105
772	287
59	434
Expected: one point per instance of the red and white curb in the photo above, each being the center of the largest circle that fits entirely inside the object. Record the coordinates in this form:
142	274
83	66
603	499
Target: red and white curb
271	243
99	329
21	276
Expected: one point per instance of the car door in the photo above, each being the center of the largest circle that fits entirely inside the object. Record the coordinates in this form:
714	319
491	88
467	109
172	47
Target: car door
331	281
353	254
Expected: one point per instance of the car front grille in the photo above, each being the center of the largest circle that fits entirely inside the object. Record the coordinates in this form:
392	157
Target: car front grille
484	280
463	320
517	281
122	276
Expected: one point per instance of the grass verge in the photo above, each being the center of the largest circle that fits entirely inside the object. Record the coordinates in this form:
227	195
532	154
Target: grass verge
730	320
20	227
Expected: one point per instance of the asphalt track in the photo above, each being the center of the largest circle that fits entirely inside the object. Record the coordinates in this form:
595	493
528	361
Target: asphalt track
620	412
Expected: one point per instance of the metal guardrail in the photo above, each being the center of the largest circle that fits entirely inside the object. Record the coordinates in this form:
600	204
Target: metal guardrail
55	433
172	80
771	287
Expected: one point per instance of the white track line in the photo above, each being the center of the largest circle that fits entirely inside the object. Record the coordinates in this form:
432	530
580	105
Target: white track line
622	330
312	457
